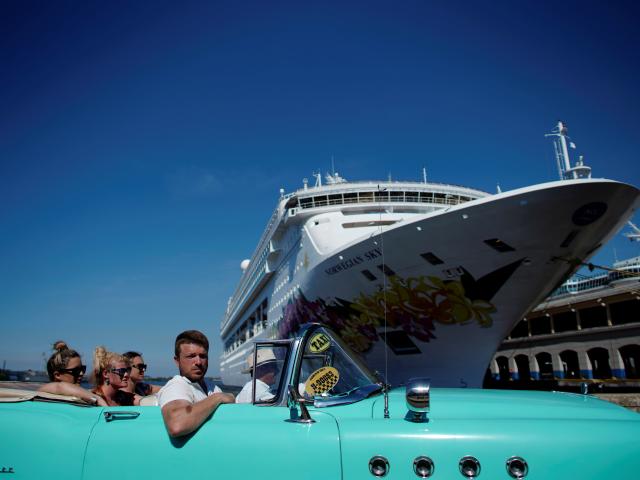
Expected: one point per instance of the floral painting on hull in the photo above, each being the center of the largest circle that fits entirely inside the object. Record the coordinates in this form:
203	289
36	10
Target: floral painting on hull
414	305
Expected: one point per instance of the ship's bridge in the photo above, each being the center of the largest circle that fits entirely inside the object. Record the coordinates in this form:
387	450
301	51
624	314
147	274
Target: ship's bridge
387	192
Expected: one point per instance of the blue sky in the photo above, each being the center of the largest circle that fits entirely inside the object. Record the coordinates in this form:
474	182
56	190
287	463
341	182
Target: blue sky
143	144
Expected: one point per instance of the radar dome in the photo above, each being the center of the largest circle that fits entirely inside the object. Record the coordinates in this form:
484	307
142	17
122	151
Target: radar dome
244	264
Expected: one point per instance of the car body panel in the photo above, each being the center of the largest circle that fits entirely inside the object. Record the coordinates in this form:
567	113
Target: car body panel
41	440
239	440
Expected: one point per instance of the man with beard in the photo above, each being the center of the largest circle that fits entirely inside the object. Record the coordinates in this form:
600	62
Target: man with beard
185	401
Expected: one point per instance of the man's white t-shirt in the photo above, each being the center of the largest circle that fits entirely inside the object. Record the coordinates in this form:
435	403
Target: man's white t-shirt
181	388
262	392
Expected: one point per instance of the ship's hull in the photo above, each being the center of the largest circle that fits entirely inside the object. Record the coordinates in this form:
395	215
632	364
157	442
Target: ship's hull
434	296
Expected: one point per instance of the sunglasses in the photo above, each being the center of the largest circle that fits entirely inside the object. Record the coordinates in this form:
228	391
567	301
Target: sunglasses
140	366
76	371
121	371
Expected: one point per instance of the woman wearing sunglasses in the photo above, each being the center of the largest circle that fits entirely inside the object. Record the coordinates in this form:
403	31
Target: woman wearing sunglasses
65	371
137	385
111	372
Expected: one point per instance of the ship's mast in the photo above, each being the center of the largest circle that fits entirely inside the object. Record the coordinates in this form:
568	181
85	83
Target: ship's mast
561	146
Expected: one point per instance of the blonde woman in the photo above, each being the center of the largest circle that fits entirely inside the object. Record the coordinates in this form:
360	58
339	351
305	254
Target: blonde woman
66	371
111	372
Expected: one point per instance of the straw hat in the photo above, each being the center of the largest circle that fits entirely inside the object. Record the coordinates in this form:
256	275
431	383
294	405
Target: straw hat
265	355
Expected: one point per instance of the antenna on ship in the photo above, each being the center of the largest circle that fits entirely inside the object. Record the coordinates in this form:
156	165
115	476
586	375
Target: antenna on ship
561	145
424	175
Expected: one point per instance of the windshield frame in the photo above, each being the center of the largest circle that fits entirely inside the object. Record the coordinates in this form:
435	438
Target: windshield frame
280	398
354	395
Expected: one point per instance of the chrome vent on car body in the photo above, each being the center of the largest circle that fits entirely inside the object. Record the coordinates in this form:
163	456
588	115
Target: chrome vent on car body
517	467
469	467
378	466
423	467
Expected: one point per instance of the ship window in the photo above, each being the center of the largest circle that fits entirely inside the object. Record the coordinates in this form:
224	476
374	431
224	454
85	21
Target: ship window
499	245
593	317
426	197
431	258
565	322
335	199
411	197
624	312
374	223
362	210
386	270
369	276
306	202
350	198
320	201
397	196
366	197
439	197
382	196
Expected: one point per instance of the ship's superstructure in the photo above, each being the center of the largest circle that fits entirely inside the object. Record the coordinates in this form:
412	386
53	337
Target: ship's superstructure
420	278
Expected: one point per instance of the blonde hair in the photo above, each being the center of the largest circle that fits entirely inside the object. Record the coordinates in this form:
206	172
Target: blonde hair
103	360
60	358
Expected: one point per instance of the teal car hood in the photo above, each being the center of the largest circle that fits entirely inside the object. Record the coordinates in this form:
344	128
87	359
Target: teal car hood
456	403
559	435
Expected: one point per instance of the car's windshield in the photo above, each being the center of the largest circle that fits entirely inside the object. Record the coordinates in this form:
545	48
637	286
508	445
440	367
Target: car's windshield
329	369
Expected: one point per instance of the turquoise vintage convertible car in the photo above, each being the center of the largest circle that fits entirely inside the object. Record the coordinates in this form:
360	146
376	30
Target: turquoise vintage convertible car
328	417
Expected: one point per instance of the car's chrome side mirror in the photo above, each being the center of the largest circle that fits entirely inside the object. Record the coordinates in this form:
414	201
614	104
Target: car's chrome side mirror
418	399
296	401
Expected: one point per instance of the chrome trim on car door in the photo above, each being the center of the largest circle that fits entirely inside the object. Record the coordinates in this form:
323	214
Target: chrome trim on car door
110	416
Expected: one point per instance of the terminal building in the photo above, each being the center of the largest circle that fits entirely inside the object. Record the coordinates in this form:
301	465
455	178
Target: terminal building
586	330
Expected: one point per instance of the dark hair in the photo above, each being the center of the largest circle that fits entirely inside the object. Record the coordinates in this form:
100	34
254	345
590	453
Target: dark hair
191	336
60	358
131	355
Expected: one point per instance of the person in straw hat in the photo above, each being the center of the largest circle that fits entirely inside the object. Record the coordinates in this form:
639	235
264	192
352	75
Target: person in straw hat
266	371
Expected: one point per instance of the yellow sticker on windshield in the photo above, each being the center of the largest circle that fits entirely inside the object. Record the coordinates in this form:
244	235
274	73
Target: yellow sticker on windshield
321	381
319	343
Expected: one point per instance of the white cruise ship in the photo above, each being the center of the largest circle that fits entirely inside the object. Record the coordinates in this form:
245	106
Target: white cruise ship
422	279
